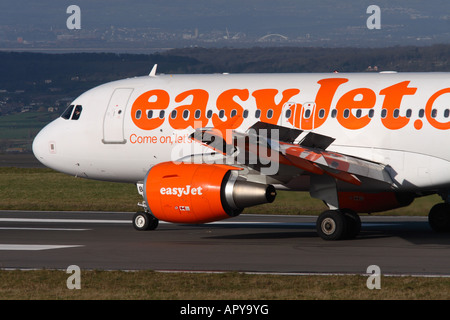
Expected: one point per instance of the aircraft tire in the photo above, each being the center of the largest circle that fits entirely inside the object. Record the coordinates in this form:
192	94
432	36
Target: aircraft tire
439	217
143	221
353	223
332	225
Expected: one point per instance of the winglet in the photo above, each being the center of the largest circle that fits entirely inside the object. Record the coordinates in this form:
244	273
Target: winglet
153	72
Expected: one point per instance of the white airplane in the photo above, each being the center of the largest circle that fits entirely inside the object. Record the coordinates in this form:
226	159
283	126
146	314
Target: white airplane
201	148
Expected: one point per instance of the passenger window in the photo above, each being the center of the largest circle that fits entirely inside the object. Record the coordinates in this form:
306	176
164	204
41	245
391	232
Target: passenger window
221	114
68	112
288	113
396	113
245	114
322	113
334	113
446	113
233	113
77	112
421	113
257	114
161	114
383	113
358	113
209	114
173	114
434	113
346	113
371	113
307	113
185	114
269	114
138	114
149	114
408	113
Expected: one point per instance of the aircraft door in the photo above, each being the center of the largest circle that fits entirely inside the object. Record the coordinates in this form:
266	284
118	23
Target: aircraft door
287	115
307	115
113	131
300	116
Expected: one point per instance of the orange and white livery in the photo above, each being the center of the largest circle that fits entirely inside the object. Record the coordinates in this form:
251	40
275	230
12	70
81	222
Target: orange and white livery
202	148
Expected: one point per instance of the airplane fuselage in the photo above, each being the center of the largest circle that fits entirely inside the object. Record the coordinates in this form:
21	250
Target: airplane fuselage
126	126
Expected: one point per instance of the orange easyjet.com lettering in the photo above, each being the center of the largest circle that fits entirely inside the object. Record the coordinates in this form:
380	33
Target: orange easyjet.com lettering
191	110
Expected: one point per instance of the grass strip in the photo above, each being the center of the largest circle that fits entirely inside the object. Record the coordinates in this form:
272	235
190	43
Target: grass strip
149	285
45	189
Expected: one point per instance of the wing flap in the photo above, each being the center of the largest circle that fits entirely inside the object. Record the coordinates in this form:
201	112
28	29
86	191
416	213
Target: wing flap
334	163
309	155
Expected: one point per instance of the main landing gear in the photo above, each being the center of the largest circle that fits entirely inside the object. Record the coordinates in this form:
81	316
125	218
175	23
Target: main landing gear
144	221
439	217
338	224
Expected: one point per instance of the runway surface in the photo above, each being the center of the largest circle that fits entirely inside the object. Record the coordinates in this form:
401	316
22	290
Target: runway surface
248	243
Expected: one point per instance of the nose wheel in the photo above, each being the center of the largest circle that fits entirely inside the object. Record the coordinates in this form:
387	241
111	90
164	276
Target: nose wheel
144	221
338	224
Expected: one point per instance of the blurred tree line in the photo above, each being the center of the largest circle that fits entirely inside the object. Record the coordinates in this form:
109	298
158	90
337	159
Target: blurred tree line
19	69
295	59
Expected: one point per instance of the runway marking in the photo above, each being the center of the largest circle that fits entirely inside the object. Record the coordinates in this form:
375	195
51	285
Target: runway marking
256	223
224	223
63	220
34	247
43	229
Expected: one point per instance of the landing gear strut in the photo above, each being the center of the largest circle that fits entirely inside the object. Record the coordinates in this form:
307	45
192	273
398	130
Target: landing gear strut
144	221
338	224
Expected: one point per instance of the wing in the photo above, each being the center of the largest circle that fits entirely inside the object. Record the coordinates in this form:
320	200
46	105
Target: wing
269	142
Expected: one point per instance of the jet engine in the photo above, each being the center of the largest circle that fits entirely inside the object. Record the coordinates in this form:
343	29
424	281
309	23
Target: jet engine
200	193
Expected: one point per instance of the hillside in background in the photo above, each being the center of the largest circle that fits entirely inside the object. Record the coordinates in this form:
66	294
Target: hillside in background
294	59
141	26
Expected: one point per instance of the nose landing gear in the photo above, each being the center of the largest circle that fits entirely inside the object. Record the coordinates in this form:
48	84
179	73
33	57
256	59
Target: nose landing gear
338	224
143	221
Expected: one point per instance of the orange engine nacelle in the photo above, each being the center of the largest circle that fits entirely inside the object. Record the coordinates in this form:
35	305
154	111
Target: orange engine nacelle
364	202
199	193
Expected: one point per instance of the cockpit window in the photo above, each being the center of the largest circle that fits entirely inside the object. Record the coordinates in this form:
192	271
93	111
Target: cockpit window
69	113
77	112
